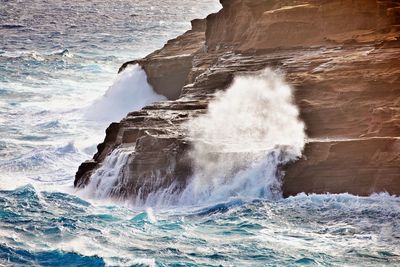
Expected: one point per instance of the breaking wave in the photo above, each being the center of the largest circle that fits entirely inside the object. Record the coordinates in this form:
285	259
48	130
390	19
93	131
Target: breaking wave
129	92
58	229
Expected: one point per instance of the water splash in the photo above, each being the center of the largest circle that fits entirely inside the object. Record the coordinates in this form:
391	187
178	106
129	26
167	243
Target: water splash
109	176
248	132
129	92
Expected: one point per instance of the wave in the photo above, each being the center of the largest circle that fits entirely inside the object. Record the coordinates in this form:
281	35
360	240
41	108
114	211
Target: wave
41	156
47	166
22	257
36	55
129	92
12	26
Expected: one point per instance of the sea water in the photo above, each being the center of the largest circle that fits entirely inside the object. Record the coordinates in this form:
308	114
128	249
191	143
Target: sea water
58	80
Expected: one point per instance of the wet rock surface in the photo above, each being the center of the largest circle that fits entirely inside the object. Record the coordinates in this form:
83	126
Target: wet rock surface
342	58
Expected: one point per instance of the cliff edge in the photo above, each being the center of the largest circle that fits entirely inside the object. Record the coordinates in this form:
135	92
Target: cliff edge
342	58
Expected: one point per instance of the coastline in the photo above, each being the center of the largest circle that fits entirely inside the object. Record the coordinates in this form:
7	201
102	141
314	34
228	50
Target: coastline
346	86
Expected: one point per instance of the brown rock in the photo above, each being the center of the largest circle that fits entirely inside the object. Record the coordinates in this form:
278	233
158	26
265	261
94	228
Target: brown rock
258	24
360	167
168	68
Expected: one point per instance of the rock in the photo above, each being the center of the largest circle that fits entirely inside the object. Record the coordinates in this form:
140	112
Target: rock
258	24
84	171
341	56
168	68
360	167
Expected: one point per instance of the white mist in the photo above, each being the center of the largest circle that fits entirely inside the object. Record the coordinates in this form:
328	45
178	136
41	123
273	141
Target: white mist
249	130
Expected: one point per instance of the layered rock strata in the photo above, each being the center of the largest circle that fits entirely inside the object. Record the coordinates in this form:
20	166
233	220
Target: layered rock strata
342	58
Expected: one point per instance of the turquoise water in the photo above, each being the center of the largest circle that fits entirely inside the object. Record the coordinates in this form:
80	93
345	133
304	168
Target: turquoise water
58	229
56	58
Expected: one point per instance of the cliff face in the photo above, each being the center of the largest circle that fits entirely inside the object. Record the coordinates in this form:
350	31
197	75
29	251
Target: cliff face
257	25
341	56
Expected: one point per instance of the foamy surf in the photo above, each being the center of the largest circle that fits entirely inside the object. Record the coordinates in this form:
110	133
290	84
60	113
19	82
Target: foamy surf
108	177
322	230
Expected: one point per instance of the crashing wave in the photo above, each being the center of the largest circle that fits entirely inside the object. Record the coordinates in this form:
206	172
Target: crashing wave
249	131
129	92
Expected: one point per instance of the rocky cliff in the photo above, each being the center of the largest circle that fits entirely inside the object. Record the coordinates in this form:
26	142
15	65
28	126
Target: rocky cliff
342	58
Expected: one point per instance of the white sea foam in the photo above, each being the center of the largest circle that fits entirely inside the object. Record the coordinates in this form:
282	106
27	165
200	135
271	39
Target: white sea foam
85	246
129	92
29	167
107	178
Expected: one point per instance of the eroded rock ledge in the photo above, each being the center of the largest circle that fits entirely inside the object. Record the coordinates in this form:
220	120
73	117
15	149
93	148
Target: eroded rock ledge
342	57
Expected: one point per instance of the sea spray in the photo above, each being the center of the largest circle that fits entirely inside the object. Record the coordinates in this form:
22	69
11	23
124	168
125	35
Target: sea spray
249	131
130	92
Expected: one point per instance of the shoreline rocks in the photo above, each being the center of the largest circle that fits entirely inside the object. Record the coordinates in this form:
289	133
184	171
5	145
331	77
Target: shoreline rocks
340	56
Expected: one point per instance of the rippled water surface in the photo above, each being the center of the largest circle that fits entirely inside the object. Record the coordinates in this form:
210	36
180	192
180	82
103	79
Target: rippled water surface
56	58
57	229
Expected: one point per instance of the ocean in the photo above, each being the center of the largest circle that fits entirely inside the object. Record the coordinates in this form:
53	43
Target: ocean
59	89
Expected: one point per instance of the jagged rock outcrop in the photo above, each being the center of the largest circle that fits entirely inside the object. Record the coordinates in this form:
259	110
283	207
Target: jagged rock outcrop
168	68
342	57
